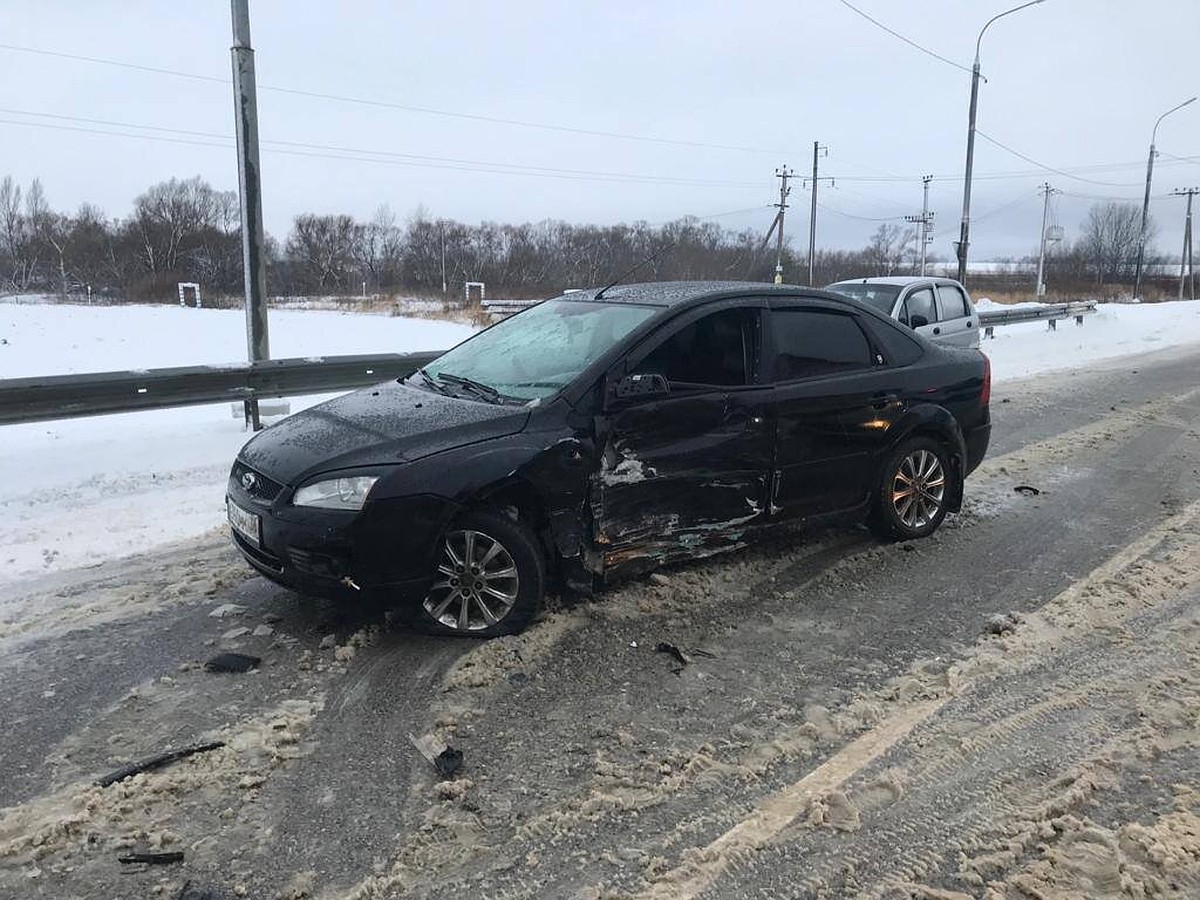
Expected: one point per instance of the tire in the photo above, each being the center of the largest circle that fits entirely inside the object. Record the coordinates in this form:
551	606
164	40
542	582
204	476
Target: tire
499	594
901	513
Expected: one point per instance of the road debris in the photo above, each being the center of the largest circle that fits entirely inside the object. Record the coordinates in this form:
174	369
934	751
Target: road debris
234	633
232	662
659	579
1027	489
672	650
227	609
445	759
156	762
1001	623
153	859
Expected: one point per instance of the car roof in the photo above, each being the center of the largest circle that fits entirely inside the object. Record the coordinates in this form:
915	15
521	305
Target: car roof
898	280
680	293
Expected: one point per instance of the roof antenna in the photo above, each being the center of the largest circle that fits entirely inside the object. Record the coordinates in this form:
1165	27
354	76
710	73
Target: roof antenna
649	259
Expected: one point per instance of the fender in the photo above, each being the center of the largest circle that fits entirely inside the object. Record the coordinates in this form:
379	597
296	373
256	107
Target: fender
937	422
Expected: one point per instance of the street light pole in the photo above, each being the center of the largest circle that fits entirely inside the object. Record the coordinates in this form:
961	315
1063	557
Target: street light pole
965	233
1137	278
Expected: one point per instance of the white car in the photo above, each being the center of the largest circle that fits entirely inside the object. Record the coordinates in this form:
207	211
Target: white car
937	308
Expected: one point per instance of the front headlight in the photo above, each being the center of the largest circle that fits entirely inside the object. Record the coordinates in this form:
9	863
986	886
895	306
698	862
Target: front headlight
336	493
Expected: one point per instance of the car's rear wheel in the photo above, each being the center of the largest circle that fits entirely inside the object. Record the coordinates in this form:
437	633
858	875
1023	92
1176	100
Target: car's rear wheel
913	490
490	578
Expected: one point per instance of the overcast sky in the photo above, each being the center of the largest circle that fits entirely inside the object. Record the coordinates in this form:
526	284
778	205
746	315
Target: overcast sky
711	97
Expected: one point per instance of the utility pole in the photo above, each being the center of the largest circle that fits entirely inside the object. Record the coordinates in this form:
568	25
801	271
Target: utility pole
964	239
812	216
1185	261
1047	192
1137	278
924	220
783	174
245	98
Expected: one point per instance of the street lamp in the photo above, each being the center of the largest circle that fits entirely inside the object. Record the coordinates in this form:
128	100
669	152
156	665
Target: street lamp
1137	278
965	234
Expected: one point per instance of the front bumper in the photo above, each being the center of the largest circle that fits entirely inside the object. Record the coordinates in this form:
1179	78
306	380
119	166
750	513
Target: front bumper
388	546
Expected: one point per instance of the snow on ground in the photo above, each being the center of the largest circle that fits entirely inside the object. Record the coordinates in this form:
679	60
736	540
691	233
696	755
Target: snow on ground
78	491
1114	330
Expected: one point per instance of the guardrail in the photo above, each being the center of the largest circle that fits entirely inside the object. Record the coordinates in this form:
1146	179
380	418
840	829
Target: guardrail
96	393
1050	312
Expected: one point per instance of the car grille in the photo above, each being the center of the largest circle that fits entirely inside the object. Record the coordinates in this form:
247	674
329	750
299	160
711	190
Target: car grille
262	488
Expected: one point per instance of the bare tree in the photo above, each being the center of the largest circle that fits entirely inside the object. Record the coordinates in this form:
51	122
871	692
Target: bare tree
1109	240
886	252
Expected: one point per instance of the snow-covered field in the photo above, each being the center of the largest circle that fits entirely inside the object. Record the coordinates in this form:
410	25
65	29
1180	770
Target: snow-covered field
75	492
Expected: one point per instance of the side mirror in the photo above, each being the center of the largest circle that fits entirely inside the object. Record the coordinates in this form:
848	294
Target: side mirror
642	386
917	321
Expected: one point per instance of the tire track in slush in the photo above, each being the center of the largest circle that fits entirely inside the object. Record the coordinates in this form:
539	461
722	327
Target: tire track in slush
1150	572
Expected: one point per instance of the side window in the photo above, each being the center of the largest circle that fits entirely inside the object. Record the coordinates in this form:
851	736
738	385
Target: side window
812	342
954	304
919	303
715	350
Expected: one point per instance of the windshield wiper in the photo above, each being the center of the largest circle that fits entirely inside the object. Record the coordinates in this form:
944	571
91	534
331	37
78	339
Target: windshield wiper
430	382
479	389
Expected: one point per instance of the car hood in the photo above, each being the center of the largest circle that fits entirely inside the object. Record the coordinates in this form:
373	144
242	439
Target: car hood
385	424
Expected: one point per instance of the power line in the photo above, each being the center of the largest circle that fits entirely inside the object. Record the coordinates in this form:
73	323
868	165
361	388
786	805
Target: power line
384	104
838	212
320	151
908	41
1019	155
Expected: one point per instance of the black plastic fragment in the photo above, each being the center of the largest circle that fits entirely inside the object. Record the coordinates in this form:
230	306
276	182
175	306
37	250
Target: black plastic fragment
672	650
448	762
153	859
156	762
232	662
1027	489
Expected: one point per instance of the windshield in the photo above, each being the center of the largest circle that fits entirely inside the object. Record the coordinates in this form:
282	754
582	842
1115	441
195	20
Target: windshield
878	296
536	353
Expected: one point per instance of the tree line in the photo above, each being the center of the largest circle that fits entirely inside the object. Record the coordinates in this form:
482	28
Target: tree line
186	230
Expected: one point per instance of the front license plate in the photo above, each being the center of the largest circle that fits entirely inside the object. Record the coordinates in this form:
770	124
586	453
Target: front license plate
243	522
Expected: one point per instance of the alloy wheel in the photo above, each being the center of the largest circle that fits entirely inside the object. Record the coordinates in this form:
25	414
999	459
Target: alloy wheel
478	582
918	489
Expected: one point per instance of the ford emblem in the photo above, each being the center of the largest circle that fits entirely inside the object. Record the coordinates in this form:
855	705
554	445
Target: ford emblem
248	480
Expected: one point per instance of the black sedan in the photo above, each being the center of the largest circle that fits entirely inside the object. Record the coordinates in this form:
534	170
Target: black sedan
606	432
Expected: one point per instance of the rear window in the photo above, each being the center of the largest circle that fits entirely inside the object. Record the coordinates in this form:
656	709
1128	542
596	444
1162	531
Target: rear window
811	342
954	304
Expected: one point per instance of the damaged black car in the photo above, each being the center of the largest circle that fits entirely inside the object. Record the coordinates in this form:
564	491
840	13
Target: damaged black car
609	432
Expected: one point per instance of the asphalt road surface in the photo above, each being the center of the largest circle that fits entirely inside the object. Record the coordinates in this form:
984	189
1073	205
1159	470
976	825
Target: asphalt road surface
1007	709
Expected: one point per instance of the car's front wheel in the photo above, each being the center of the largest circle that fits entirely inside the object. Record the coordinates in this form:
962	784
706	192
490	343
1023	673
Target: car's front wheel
490	578
913	490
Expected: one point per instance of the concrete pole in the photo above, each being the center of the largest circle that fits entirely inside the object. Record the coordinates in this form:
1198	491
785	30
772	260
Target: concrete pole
1185	259
783	175
812	220
250	190
964	238
1040	289
1141	257
925	221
